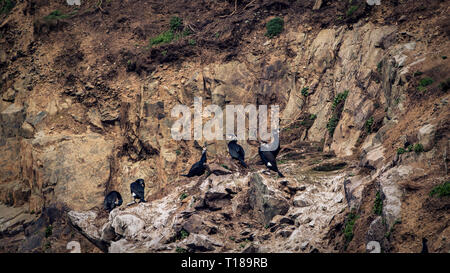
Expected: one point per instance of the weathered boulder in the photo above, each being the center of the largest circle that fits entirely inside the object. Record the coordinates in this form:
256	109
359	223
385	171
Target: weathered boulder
373	157
11	120
426	136
193	224
128	225
376	230
389	182
200	242
265	202
301	201
84	221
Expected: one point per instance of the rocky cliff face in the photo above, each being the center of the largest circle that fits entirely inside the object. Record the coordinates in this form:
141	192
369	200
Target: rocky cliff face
86	109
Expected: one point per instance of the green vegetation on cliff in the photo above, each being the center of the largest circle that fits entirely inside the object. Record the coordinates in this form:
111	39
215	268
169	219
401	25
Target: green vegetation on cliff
274	27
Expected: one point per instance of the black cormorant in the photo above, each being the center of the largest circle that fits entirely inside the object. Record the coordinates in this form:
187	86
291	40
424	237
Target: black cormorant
269	160
137	190
112	200
236	151
199	167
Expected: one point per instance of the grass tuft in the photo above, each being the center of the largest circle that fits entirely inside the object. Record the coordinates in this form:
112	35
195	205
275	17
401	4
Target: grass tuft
274	27
351	10
6	6
378	204
349	224
441	190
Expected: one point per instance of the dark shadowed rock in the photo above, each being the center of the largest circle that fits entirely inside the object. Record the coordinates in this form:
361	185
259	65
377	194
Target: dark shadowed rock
193	224
11	120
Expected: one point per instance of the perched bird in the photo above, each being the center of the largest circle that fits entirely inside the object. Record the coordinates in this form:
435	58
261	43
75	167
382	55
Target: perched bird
137	190
236	151
269	160
424	245
112	200
199	167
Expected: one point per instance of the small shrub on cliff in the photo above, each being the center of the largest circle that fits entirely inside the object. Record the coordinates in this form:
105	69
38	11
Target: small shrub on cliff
183	196
341	97
424	83
410	148
6	6
305	91
175	23
351	10
334	120
379	67
182	234
441	190
47	246
332	123
175	32
349	224
163	38
369	124
186	32
378	204
418	148
192	42
48	231
180	250
274	27
57	15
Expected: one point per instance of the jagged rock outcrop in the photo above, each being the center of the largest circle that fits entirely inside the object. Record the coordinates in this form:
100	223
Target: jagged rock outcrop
89	116
200	224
